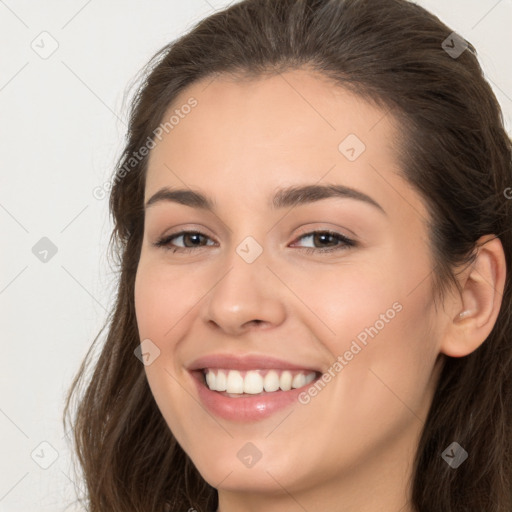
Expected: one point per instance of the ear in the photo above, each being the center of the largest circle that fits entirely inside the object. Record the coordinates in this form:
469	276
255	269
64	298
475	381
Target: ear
474	313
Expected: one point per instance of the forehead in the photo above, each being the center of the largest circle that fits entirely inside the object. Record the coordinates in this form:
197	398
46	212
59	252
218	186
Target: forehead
286	113
250	136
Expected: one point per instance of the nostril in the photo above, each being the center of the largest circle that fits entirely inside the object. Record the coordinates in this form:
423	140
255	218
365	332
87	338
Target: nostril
256	322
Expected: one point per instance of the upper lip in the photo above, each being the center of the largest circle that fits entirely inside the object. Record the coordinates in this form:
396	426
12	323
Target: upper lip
245	362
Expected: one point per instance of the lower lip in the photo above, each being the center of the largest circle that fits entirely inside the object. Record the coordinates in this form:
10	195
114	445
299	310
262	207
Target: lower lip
247	408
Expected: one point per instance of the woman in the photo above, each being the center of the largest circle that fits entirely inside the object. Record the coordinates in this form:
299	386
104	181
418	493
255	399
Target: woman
244	370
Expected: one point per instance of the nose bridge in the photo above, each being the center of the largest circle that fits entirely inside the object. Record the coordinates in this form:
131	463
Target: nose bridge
244	291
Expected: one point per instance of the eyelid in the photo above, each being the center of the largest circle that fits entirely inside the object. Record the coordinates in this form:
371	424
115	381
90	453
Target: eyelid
350	235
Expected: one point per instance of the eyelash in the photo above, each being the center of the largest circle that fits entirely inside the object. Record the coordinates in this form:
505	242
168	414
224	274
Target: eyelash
347	242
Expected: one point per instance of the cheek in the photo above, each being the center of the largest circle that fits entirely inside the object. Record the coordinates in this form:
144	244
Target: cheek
149	298
164	308
343	301
158	308
385	296
380	321
161	299
382	383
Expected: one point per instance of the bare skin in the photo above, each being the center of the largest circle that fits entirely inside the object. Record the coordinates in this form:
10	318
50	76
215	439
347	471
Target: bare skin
352	446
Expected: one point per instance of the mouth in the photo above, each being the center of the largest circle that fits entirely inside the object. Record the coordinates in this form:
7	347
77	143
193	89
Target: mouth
249	387
239	383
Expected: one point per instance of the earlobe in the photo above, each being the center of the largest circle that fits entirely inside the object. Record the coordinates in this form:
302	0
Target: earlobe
482	291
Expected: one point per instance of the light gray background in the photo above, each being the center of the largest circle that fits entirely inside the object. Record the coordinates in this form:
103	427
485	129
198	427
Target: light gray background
62	126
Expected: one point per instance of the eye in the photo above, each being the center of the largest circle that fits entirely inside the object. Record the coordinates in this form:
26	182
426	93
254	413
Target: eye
324	236
195	238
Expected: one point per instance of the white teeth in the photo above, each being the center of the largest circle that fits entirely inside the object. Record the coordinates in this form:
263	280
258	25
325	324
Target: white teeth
221	381
310	377
210	380
253	382
235	382
285	382
299	380
271	381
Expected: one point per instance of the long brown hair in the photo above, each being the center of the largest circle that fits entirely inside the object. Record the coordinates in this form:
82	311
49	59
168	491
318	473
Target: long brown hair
453	149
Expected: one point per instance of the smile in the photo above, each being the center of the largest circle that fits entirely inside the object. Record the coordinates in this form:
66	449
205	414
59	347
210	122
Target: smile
235	383
246	388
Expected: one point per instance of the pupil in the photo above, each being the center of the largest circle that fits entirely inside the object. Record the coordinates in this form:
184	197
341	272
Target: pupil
196	236
323	236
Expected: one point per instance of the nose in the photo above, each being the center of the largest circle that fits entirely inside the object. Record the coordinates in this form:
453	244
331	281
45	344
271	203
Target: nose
247	295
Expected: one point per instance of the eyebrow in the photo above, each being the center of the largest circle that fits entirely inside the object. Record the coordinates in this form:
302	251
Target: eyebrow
283	198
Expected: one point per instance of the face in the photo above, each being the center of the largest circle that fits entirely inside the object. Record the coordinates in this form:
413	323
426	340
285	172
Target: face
268	289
